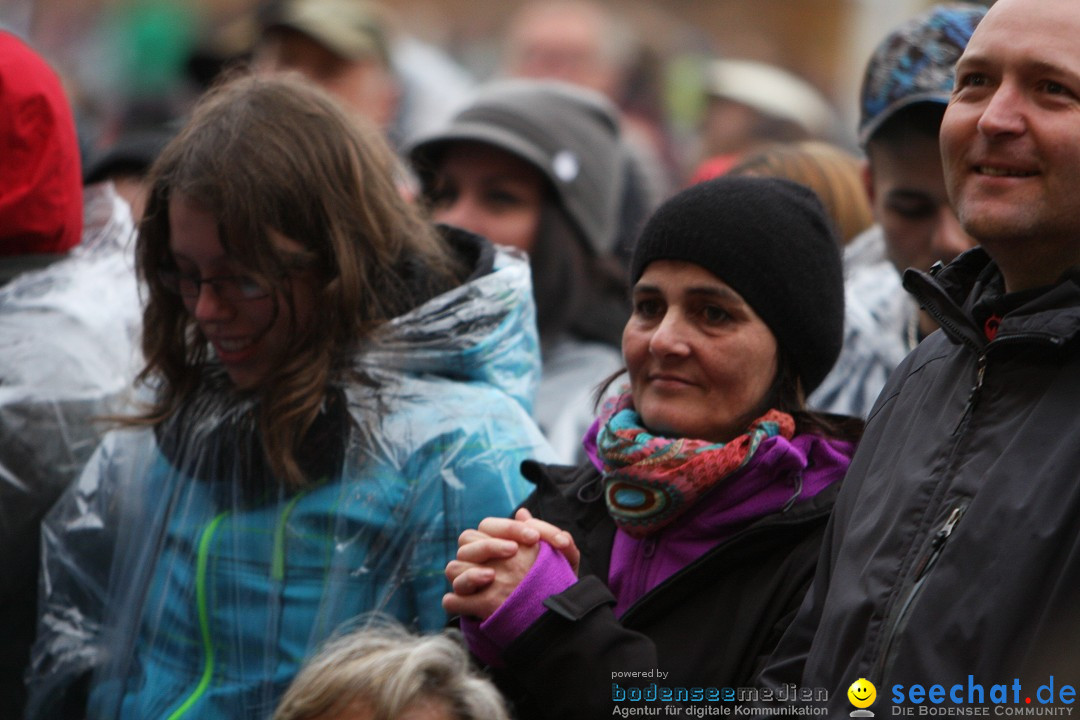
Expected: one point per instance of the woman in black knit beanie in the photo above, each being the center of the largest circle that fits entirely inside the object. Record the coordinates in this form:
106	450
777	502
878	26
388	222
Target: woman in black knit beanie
676	555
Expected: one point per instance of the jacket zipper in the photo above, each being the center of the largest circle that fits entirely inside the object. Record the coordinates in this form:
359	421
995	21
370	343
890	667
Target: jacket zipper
277	579
277	584
980	373
884	664
937	545
205	539
1052	340
946	323
942	535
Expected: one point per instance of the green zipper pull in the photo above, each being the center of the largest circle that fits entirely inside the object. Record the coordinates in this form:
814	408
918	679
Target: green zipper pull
205	539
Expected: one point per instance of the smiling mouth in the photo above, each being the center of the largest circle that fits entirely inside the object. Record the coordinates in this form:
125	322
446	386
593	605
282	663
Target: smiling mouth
1003	172
233	346
669	379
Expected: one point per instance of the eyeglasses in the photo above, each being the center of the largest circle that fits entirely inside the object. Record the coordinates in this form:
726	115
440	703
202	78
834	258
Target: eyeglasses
231	288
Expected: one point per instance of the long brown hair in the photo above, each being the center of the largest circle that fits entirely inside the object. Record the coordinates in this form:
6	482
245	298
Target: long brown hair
275	154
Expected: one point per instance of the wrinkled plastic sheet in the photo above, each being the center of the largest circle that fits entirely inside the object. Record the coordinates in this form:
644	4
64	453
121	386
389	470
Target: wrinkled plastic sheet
183	583
69	335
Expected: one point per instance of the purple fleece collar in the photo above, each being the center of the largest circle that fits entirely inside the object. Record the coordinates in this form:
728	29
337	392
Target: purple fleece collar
781	474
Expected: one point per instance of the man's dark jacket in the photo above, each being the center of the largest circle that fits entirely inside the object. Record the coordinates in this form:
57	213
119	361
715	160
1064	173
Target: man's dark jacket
954	549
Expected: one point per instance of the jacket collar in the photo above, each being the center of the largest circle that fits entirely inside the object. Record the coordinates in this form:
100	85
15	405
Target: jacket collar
949	293
587	518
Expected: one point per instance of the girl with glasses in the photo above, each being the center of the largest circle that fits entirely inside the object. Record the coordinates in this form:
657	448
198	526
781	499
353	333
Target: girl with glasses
337	388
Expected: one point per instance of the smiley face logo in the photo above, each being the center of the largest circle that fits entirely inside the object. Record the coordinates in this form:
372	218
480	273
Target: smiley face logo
862	693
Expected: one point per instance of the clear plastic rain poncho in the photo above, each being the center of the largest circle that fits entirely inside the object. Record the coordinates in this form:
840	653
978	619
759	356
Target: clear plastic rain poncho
192	587
68	334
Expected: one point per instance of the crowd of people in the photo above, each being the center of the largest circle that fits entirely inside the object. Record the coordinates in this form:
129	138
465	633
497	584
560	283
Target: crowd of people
364	389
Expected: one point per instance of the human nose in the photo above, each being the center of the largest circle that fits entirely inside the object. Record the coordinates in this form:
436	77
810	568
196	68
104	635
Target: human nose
208	305
464	213
670	336
1003	114
949	238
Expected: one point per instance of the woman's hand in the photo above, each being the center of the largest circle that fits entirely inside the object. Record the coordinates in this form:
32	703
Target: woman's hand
493	559
524	529
479	590
500	538
553	536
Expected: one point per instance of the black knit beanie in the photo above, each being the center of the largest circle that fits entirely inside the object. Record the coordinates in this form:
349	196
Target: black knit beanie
771	241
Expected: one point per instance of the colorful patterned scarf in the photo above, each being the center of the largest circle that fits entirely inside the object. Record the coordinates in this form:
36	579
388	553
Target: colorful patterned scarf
649	480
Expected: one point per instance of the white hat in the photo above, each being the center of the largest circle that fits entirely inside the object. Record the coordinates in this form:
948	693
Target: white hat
771	91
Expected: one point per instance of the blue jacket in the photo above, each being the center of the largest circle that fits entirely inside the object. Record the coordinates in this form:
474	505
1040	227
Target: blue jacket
196	592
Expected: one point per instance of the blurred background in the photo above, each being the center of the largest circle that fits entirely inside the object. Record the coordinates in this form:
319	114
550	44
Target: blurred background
148	58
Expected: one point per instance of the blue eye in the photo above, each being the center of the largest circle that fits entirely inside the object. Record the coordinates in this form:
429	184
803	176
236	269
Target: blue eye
249	288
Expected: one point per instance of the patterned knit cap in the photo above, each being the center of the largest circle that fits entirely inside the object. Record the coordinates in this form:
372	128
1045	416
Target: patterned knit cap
915	63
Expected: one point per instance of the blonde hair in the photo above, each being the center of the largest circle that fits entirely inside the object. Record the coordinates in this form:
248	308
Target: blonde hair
266	154
833	173
386	670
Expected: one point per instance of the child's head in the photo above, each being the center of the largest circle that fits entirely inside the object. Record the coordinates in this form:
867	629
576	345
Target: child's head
275	239
385	672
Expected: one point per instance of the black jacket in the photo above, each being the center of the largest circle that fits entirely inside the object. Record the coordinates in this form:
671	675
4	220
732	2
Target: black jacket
709	625
954	549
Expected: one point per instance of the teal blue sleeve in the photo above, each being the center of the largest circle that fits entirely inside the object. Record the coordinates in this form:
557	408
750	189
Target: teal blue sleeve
462	478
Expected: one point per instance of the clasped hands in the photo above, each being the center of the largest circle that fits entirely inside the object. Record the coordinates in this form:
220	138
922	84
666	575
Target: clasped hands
494	558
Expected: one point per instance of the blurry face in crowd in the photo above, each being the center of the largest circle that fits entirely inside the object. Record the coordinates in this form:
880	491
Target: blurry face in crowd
907	193
363	86
248	325
701	361
727	127
562	41
1011	139
489	192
